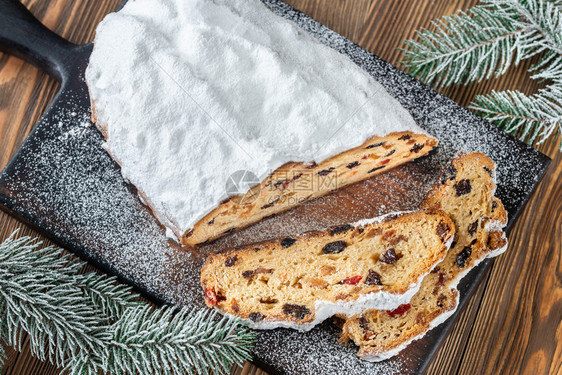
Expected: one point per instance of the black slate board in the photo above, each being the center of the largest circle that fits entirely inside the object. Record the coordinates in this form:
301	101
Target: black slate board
63	183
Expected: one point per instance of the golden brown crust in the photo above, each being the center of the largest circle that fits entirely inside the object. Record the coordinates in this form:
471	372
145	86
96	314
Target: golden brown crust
338	264
295	183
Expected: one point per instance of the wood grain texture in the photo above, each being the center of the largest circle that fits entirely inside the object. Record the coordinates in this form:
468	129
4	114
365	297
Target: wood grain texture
513	322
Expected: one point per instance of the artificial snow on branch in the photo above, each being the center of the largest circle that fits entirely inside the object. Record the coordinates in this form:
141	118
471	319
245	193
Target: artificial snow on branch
484	42
90	324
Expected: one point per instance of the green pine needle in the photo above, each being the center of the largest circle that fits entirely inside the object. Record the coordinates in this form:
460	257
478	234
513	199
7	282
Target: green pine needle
532	118
89	324
465	47
484	42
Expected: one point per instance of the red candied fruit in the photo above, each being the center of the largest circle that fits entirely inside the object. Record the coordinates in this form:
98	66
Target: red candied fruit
400	310
354	280
210	296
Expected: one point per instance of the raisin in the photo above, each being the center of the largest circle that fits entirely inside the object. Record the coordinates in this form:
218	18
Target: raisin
417	147
436	269
449	174
288	242
334	247
248	274
472	228
462	187
354	280
405	137
360	230
442	230
400	310
229	231
375	145
490	172
353	164
225	201
312	165
211	222
343	228
376	169
230	261
494	205
373	278
256	317
389	256
390	153
297	311
325	172
364	324
440	280
463	256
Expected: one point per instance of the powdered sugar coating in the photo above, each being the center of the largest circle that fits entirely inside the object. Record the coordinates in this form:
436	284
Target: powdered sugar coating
190	92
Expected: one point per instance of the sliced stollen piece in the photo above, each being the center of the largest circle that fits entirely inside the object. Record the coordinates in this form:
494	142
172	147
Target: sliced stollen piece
190	95
479	218
294	183
299	282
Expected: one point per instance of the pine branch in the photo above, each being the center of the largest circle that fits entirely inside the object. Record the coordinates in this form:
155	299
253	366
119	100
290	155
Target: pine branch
465	47
532	118
156	341
36	300
90	324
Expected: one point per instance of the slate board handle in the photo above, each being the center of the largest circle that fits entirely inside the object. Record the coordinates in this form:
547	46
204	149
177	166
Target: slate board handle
23	36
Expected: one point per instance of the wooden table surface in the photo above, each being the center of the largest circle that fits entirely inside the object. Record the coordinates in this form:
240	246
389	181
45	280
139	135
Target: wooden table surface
513	322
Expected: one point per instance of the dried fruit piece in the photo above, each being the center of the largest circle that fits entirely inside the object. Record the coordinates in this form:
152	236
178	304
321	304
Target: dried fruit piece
389	256
463	187
343	228
417	147
334	247
400	310
288	242
257	271
298	311
463	256
230	261
397	239
373	278
490	172
210	297
325	172
354	280
375	145
375	169
440	279
442	230
404	137
353	164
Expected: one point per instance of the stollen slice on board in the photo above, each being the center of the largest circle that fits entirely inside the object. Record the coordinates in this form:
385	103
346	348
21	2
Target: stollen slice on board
464	191
297	282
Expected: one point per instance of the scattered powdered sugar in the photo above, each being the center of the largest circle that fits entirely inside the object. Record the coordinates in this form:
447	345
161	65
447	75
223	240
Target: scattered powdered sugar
64	182
193	91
